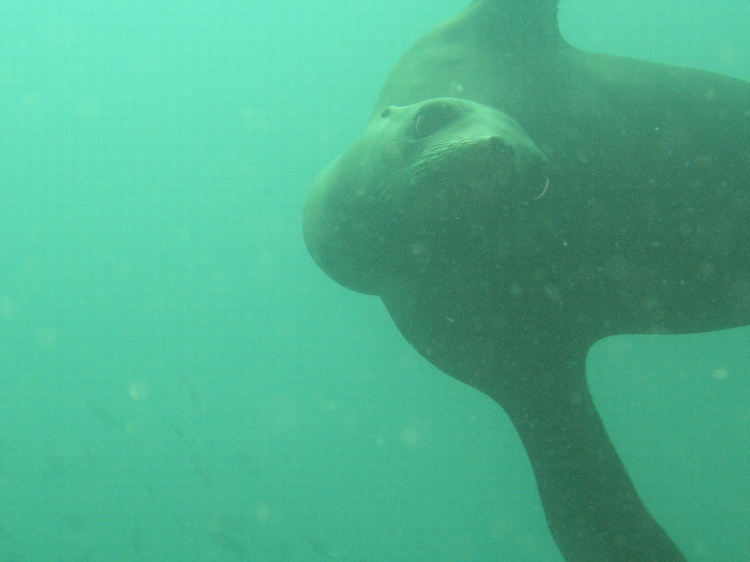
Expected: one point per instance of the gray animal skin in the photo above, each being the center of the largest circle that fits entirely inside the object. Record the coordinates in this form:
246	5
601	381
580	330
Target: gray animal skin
513	201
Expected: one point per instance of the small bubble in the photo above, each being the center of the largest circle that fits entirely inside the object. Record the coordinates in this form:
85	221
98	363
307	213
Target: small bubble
721	374
410	436
138	391
262	512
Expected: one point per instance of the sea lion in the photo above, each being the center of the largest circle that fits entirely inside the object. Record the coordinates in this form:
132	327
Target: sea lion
619	204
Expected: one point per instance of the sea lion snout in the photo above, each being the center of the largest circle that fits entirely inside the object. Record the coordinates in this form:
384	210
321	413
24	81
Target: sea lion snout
431	175
490	148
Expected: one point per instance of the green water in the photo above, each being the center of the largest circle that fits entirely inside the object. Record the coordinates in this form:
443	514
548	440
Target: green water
179	382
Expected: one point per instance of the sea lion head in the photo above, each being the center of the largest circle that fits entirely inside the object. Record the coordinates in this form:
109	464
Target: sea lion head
425	182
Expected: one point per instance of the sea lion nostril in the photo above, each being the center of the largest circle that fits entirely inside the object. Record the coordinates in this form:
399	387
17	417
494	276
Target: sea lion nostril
497	142
500	148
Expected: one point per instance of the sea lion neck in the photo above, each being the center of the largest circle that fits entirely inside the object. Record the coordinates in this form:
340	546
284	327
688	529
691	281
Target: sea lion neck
516	26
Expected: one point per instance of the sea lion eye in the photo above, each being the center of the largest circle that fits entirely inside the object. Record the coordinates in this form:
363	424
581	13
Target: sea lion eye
431	118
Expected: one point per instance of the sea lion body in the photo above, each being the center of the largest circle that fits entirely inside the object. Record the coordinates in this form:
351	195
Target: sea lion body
640	225
645	227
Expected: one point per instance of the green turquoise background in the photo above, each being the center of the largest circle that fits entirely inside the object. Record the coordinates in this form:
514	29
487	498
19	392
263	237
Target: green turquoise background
179	382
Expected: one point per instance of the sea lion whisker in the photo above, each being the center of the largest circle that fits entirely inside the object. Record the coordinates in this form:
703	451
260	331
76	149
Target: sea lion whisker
546	187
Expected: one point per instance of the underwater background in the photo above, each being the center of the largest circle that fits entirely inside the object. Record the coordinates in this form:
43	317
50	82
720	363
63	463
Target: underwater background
179	381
